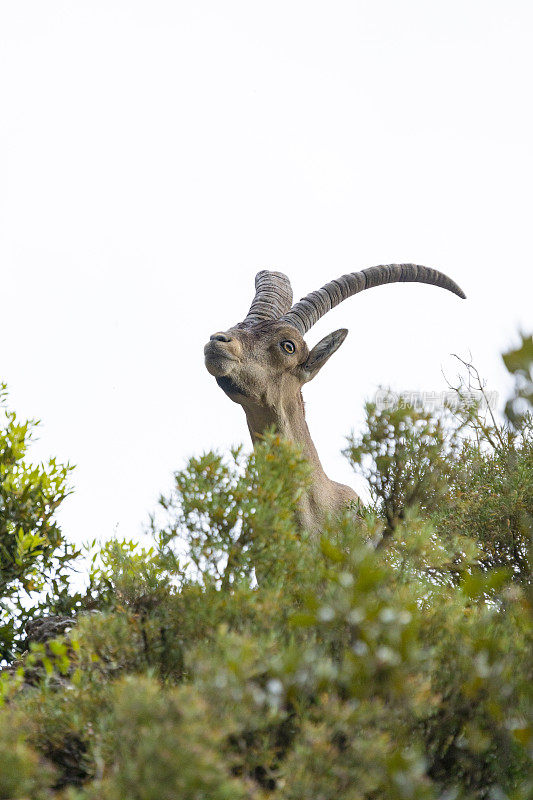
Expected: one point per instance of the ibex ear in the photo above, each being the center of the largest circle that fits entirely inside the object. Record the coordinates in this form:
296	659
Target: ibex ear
321	352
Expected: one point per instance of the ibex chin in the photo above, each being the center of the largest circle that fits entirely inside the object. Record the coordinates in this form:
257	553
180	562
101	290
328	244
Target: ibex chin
263	362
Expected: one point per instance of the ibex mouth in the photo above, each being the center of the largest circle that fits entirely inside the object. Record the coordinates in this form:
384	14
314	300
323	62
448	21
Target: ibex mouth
217	360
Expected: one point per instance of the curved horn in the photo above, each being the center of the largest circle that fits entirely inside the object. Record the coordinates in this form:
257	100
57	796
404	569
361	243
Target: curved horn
273	297
304	314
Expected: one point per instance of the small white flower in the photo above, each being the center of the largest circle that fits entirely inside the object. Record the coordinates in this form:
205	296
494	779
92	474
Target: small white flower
326	614
355	616
275	686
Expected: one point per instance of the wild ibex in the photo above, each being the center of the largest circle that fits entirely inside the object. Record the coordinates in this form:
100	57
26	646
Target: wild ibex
263	362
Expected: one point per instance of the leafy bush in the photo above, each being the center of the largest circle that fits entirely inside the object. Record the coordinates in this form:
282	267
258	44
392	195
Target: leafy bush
237	657
35	560
22	772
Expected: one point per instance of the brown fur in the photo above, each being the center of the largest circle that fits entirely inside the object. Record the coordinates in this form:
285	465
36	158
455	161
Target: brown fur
252	367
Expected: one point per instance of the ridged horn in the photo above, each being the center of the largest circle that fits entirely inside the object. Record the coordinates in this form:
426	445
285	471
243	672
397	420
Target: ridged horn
313	306
273	297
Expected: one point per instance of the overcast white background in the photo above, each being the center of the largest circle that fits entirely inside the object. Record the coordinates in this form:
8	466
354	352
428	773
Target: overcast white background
155	155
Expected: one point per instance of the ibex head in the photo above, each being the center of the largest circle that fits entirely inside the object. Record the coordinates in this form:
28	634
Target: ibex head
264	358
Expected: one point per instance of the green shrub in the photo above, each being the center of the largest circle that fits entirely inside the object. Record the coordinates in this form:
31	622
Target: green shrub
23	773
35	560
160	746
236	657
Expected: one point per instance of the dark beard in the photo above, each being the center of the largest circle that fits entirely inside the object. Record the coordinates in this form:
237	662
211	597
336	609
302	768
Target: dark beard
229	386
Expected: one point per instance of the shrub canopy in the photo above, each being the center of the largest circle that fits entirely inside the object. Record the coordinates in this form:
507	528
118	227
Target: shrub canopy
236	657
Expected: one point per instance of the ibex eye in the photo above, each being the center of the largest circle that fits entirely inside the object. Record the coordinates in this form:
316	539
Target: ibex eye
288	346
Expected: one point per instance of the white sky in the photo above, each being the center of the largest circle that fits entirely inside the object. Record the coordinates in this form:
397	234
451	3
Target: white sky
155	155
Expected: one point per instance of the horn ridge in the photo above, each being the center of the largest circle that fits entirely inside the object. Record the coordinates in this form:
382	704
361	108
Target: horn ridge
273	297
304	314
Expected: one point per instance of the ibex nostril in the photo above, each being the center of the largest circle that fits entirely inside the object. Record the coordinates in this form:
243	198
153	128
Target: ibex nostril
220	337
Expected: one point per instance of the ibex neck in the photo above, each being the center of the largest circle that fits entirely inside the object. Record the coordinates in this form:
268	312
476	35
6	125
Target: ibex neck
324	496
289	421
